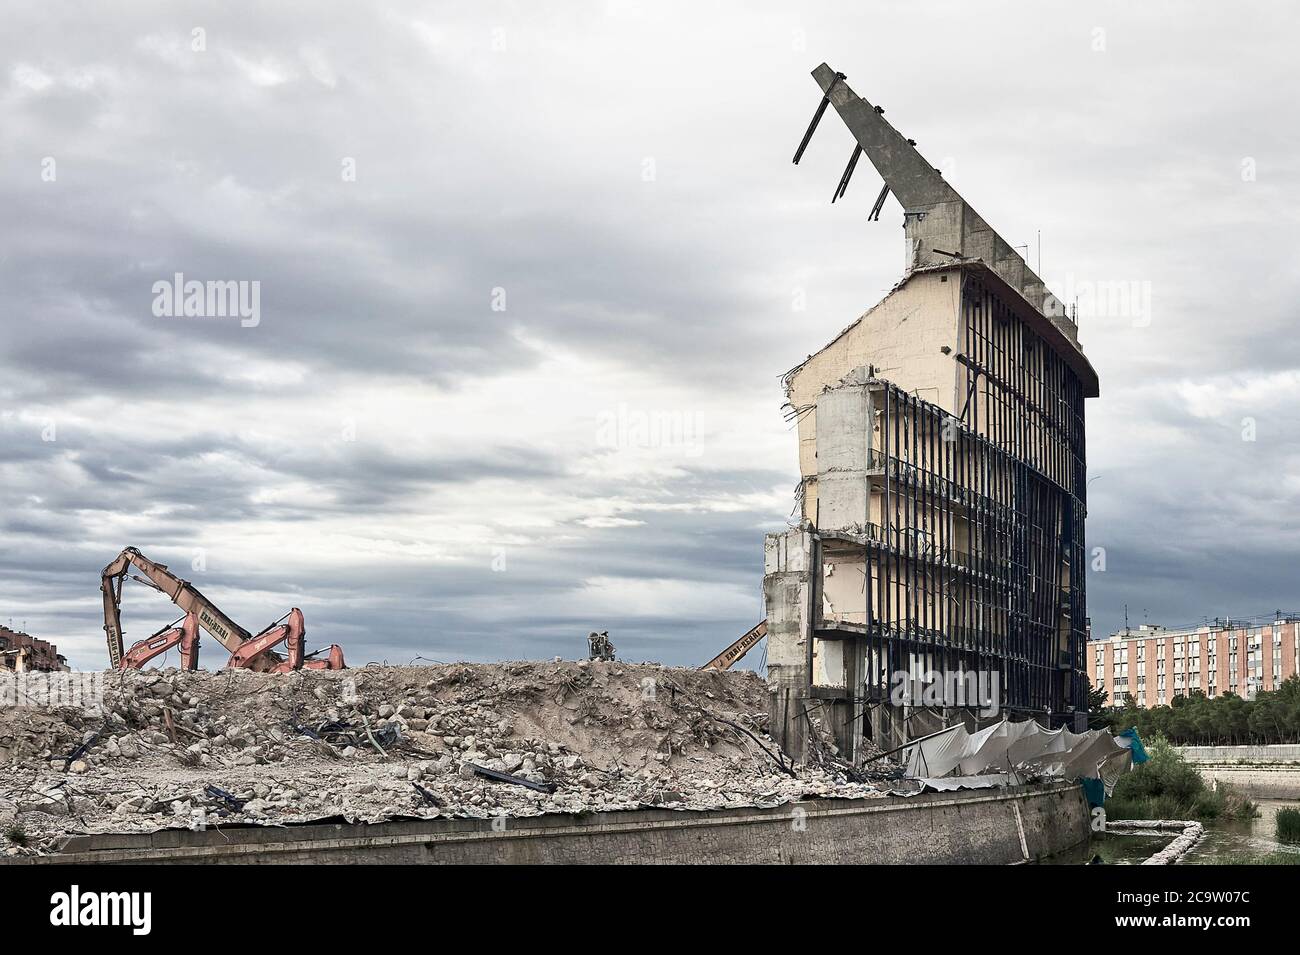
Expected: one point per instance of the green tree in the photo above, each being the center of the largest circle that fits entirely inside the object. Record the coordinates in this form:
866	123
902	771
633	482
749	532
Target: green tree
1096	703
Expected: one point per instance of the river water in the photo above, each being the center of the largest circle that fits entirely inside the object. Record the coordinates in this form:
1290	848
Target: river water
1247	837
1223	842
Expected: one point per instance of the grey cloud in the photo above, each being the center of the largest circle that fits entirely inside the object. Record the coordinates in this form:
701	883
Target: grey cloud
523	169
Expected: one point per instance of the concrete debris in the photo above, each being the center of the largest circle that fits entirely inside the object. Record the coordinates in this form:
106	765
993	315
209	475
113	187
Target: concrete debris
1189	836
207	749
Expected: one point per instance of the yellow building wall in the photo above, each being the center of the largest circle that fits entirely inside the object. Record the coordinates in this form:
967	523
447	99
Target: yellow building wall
903	337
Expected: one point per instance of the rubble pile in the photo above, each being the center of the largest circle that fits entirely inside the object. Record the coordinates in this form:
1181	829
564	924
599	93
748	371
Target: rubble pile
176	749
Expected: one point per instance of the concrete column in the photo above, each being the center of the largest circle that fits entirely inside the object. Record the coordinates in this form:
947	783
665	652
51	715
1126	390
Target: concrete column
843	436
788	592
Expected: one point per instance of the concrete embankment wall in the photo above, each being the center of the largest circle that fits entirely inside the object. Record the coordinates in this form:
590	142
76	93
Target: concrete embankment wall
998	827
1265	772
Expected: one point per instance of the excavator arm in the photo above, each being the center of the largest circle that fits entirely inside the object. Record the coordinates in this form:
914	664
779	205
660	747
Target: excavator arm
333	660
246	650
182	593
731	656
290	629
186	636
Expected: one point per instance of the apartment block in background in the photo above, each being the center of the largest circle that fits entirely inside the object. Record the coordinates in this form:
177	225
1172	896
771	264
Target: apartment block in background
21	652
1154	664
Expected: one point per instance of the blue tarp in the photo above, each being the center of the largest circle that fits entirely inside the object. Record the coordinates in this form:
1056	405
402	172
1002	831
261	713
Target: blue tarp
1139	751
1094	790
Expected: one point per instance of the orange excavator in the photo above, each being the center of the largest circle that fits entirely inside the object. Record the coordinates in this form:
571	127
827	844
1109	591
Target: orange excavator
247	650
292	630
186	636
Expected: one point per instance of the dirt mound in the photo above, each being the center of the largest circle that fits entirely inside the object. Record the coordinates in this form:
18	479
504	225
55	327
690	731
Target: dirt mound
189	749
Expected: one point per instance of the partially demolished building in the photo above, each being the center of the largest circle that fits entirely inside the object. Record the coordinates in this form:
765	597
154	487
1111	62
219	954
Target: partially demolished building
941	451
22	653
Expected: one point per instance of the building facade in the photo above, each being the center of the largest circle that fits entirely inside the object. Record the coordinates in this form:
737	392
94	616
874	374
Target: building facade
942	492
1154	664
22	652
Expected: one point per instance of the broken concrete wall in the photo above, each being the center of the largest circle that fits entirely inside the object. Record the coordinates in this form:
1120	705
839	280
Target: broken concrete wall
789	559
980	827
843	587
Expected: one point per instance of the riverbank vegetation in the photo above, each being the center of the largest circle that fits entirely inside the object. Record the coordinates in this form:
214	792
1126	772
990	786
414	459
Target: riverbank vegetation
1169	787
1288	825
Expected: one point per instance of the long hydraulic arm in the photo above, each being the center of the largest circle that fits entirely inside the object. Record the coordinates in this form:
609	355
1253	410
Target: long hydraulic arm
181	592
290	629
731	656
183	633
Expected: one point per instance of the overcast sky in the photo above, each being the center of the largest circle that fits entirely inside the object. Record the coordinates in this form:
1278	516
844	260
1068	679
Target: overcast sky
529	274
